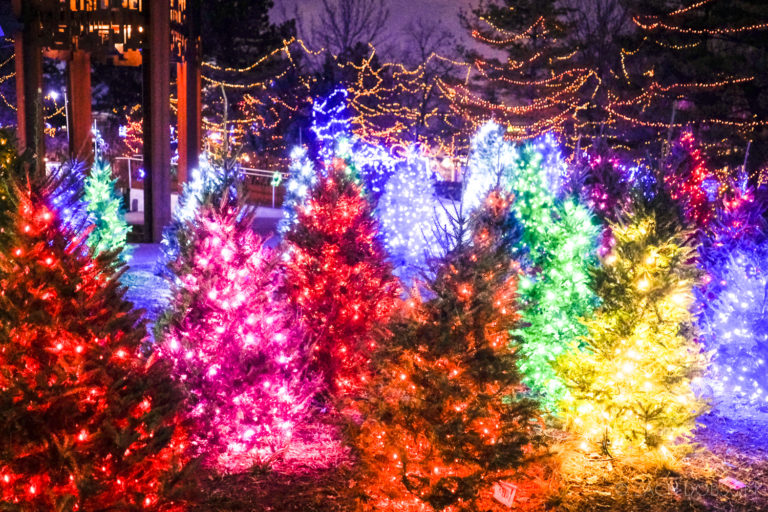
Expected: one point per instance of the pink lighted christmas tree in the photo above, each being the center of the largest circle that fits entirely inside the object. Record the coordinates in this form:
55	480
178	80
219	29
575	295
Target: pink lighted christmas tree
232	347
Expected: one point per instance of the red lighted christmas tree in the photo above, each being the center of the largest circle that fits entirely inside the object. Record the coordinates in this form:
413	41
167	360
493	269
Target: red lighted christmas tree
338	279
233	348
87	422
687	178
443	419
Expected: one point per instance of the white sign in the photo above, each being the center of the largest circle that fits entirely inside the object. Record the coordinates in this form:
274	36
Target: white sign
504	492
732	483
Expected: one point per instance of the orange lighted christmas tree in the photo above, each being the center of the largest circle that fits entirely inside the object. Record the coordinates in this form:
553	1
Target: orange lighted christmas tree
443	419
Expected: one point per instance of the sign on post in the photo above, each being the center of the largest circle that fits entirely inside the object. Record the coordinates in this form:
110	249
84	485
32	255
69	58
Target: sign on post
504	493
277	179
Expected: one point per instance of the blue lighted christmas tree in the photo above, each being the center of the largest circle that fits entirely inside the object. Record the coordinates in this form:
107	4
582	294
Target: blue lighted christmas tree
408	212
733	300
302	177
491	160
370	163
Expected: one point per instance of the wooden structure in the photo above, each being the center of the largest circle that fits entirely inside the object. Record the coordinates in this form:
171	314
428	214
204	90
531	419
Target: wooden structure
150	33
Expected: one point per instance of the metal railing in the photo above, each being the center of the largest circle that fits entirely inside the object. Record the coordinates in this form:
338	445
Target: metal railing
258	179
137	163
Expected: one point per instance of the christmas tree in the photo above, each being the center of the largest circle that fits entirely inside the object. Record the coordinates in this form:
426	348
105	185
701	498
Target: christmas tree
444	419
491	159
557	246
731	300
632	385
88	422
370	164
105	207
10	168
686	178
68	198
232	346
207	180
302	178
601	181
735	327
338	278
408	212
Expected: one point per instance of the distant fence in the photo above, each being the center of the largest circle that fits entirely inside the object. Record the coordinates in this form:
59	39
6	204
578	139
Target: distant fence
258	182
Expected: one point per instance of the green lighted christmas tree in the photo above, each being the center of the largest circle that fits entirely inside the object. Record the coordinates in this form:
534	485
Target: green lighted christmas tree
9	167
105	208
631	384
444	418
558	244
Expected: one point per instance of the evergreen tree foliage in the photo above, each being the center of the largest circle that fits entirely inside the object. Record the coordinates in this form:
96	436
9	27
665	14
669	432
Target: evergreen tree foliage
713	56
338	279
408	212
490	160
444	417
602	182
332	124
302	177
209	180
731	300
233	348
736	328
10	169
557	246
88	422
631	386
686	178
241	25
561	63
105	208
68	198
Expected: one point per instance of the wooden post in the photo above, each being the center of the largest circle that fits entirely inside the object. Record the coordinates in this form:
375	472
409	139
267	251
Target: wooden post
189	91
29	83
157	118
79	94
181	121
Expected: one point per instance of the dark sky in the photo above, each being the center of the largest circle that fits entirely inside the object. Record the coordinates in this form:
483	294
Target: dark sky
402	11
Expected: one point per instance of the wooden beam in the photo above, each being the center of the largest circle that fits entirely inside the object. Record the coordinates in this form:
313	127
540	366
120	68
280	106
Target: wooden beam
29	83
79	116
189	92
157	118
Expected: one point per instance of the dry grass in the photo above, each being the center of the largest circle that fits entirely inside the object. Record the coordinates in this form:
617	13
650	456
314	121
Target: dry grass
566	479
590	482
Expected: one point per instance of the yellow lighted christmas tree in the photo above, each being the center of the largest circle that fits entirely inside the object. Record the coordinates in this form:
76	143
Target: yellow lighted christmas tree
631	386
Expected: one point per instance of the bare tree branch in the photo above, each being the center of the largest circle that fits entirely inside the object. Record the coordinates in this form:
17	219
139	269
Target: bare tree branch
342	24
